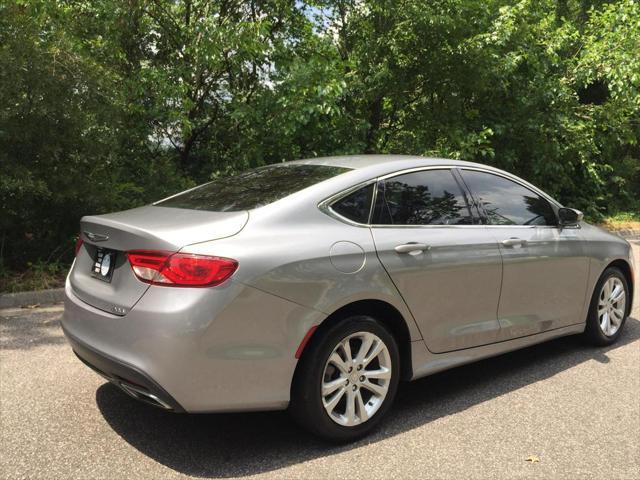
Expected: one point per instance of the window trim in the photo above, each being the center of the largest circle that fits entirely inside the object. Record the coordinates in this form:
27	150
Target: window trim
475	216
552	203
325	205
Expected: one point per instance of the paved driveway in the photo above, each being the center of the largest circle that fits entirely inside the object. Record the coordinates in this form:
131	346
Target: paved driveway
573	407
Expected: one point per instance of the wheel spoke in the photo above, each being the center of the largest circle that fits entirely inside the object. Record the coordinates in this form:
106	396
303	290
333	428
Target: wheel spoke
375	351
346	348
374	388
367	341
610	324
613	324
616	292
350	412
617	316
329	387
336	360
381	373
362	410
605	323
330	404
619	298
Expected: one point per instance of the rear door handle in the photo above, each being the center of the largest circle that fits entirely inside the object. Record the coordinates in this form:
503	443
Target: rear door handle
510	242
412	248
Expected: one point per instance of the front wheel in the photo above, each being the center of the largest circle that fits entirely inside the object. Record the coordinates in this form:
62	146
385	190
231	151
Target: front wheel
609	307
347	379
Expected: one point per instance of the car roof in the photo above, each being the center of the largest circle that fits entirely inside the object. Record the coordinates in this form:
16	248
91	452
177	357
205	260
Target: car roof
367	167
392	161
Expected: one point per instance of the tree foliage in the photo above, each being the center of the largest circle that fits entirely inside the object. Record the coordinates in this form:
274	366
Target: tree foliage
108	104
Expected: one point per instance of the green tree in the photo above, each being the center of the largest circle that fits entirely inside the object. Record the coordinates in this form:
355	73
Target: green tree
108	104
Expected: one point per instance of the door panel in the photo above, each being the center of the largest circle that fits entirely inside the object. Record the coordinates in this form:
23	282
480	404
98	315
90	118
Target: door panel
544	279
544	267
452	289
445	264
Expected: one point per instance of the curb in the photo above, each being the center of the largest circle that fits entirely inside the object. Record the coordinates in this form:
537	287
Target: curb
38	297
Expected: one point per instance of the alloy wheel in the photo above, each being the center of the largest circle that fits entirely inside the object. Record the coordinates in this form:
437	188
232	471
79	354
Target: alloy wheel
356	379
611	306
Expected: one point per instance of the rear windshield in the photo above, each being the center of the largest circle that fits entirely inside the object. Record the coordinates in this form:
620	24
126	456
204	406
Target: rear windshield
252	189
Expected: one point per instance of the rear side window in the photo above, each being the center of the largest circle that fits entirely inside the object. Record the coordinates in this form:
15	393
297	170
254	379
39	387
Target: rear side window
429	197
355	206
508	203
252	189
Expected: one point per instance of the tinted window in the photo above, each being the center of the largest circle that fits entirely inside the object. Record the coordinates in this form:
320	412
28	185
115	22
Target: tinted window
507	202
430	197
355	206
252	189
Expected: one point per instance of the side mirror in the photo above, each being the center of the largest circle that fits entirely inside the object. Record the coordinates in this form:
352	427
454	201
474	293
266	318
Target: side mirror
569	217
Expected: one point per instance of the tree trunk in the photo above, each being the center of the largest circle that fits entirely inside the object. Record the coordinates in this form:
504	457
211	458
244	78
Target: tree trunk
375	119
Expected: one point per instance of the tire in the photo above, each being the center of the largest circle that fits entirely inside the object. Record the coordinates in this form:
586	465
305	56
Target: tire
596	324
319	366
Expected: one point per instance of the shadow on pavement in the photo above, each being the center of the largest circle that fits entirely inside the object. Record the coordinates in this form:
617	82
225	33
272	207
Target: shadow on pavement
230	445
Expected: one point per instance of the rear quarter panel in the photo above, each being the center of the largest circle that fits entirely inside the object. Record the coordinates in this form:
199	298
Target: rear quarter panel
309	258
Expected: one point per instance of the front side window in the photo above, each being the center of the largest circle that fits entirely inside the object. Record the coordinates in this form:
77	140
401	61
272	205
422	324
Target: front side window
429	197
355	206
508	203
252	189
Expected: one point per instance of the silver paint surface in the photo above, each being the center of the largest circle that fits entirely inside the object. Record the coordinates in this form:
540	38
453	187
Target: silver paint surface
232	347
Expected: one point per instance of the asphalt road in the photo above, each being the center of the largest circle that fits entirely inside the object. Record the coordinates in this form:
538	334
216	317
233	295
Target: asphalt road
573	407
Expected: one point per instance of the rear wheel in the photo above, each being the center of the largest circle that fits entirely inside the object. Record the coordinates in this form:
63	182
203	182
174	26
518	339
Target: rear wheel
609	307
347	379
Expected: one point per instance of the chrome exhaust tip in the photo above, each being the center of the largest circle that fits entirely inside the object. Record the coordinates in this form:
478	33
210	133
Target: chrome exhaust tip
139	393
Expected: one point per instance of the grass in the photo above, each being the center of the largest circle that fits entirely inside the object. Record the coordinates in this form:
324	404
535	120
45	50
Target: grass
622	221
38	276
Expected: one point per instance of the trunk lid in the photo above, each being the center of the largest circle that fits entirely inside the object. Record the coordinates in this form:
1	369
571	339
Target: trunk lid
144	228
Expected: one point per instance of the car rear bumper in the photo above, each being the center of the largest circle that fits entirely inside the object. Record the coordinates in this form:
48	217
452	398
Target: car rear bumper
128	378
229	348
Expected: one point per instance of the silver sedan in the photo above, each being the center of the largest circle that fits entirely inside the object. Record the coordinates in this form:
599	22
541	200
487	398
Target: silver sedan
317	285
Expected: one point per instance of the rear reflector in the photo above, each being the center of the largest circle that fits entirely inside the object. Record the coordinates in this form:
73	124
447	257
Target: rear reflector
78	245
180	269
304	341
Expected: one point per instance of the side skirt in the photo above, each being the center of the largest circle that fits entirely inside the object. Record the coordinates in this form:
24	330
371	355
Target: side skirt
427	363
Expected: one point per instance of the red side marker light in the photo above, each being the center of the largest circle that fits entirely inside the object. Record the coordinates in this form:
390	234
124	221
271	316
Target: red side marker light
78	245
305	340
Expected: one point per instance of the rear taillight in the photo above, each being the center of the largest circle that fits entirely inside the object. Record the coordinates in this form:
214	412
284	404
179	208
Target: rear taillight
180	269
78	245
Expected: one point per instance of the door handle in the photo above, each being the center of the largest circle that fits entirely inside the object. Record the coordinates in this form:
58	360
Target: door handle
412	248
510	242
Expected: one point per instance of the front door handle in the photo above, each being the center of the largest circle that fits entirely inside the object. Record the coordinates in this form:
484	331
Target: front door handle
412	248
510	242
